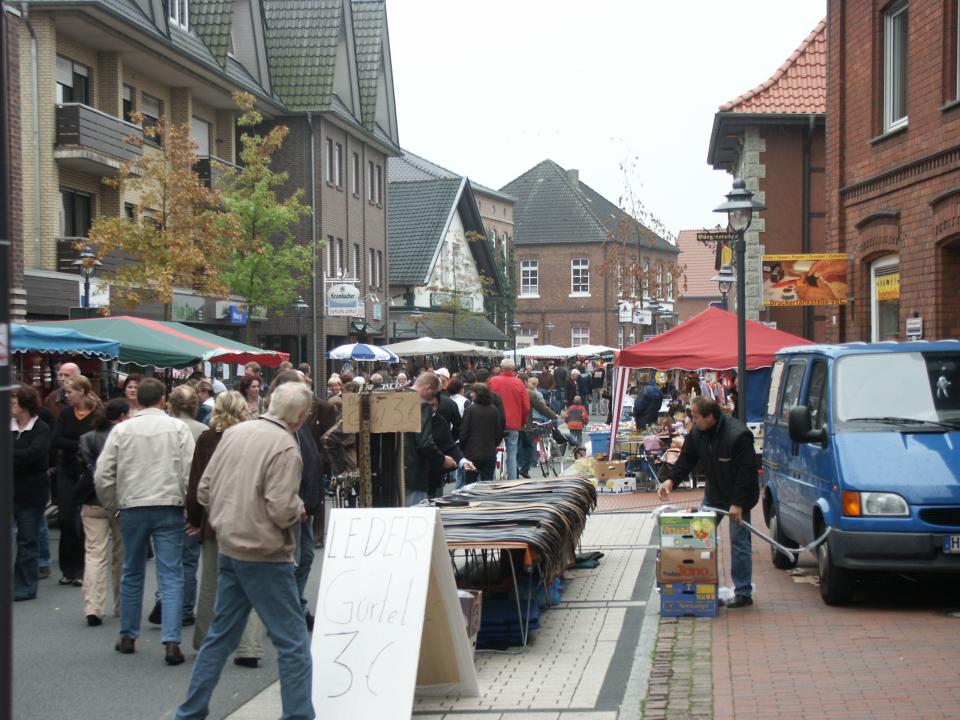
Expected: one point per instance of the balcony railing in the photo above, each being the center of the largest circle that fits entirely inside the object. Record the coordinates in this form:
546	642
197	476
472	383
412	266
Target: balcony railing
68	250
211	170
93	141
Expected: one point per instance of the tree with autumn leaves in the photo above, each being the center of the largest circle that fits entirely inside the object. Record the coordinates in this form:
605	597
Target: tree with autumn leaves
233	239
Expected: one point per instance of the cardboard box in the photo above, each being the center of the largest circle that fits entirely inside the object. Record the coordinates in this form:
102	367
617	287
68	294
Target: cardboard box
615	485
695	599
607	470
688	530
471	602
686	565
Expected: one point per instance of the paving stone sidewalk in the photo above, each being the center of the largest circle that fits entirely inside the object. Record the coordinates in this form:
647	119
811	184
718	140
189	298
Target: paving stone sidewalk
681	678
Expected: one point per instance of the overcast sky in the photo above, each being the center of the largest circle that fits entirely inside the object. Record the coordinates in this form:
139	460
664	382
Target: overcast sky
490	88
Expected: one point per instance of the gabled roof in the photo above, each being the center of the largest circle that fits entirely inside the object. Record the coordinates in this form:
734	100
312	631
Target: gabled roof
410	167
211	20
552	208
699	265
368	23
798	86
417	216
302	38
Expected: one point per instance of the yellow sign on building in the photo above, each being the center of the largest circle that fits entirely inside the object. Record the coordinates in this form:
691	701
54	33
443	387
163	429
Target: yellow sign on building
887	287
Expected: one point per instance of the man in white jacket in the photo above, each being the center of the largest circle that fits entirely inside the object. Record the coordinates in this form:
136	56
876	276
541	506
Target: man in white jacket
143	472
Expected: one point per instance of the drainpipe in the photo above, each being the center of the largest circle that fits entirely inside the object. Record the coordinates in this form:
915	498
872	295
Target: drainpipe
315	368
805	220
35	97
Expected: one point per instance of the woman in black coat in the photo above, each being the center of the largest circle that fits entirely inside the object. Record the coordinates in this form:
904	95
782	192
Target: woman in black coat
481	432
31	486
73	421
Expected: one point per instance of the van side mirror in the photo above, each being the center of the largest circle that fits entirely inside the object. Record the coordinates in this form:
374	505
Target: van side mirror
801	427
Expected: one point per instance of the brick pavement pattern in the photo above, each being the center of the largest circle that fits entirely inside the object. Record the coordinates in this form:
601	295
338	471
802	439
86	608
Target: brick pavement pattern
681	680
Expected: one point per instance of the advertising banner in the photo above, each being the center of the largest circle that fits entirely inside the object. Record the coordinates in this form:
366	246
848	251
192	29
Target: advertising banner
811	279
343	300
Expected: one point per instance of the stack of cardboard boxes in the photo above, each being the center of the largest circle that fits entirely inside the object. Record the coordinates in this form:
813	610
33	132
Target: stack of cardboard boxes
687	564
611	477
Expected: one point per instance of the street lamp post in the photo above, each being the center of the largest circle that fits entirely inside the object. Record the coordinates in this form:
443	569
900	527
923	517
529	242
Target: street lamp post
301	307
724	280
739	209
87	264
515	327
549	328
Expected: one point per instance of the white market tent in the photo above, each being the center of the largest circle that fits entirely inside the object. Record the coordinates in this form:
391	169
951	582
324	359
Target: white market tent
542	351
439	346
590	350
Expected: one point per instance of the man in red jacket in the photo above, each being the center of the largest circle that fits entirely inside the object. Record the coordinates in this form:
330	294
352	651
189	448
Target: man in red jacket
516	406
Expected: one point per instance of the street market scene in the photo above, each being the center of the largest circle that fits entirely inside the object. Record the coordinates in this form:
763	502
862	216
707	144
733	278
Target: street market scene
306	424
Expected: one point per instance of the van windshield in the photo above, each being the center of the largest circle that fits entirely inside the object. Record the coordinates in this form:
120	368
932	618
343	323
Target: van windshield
899	388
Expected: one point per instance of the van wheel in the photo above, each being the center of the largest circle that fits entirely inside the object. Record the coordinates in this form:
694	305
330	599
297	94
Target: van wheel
780	561
836	584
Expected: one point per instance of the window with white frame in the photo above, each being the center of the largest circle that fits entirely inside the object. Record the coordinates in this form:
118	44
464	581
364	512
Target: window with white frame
200	135
580	276
331	253
529	277
379	185
338	165
355	176
531	332
328	170
895	32
180	13
620	336
151	109
660	281
356	261
371	182
342	269
645	279
379	269
579	335
371	261
669	285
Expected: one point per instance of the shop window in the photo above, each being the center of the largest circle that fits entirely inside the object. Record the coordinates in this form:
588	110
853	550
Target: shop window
885	298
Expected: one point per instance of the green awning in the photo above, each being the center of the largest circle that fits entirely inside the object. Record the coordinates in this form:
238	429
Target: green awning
168	344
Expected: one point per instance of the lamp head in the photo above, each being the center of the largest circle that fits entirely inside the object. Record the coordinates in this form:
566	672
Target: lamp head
87	263
740	206
725	279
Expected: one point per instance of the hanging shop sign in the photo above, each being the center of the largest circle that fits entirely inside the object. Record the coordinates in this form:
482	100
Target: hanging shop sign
343	300
799	280
642	317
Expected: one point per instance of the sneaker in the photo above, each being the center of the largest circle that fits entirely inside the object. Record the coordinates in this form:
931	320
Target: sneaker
125	645
94	620
156	615
172	654
739	601
75	582
246	662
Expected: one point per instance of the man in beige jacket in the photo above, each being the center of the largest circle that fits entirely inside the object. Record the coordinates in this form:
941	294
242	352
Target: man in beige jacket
250	489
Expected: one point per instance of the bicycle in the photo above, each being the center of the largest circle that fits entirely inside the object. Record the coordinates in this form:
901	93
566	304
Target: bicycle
549	453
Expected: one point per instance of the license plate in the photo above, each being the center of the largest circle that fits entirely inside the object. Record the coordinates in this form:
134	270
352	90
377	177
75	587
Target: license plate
951	544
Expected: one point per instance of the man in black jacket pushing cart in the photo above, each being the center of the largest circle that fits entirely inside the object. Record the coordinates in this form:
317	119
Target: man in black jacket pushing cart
724	447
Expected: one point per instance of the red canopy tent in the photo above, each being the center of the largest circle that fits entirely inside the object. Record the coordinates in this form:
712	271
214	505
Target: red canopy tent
707	341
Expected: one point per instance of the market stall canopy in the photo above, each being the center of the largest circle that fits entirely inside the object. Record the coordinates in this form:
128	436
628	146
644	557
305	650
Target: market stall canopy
708	340
591	350
438	346
543	351
167	344
60	341
363	352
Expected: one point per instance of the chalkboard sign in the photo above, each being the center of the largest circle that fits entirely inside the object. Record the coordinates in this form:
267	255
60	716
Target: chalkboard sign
388	619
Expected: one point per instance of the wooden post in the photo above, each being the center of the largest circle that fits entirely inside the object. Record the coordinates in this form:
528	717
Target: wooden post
363	455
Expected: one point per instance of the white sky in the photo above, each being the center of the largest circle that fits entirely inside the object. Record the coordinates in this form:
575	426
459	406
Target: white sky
490	88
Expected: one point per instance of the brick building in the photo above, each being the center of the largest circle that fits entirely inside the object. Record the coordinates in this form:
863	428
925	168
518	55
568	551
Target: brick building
773	138
323	69
18	295
565	236
893	165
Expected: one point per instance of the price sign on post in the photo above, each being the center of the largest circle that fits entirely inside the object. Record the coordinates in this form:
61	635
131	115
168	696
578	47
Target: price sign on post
388	617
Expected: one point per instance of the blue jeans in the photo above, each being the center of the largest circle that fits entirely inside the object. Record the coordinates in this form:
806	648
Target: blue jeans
511	439
25	578
270	589
526	454
741	563
415	497
44	543
303	556
165	525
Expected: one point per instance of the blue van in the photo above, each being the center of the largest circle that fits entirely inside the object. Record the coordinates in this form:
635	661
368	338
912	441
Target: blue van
864	439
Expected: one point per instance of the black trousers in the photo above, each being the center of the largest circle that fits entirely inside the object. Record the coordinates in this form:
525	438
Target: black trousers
72	550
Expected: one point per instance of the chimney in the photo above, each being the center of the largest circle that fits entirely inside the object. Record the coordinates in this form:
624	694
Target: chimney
573	175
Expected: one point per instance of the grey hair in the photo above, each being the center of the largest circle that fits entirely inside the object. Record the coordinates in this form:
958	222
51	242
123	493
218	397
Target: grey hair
290	402
508	364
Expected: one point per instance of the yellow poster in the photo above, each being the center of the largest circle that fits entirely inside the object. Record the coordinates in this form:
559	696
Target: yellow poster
887	287
811	279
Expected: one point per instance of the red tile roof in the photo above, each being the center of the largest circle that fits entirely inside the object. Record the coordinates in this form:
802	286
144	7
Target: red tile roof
697	261
799	86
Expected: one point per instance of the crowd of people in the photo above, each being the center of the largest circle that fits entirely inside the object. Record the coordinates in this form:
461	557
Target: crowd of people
224	489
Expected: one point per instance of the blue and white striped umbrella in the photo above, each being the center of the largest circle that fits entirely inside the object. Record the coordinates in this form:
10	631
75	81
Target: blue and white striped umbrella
363	352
